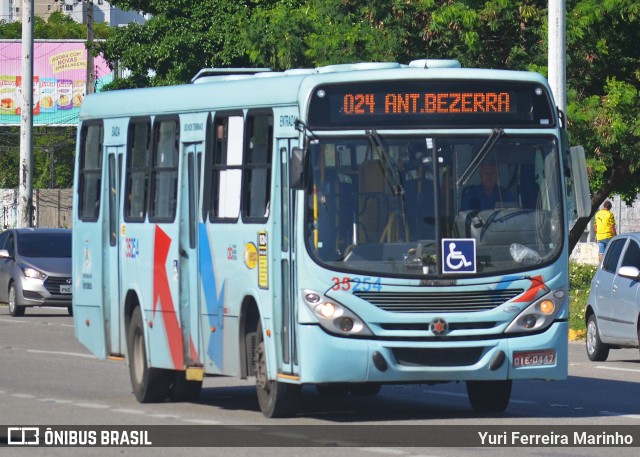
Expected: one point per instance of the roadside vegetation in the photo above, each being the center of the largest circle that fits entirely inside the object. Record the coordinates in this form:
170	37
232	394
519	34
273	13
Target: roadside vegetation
579	285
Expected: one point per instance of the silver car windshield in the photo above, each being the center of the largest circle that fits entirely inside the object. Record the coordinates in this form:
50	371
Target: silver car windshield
44	245
381	205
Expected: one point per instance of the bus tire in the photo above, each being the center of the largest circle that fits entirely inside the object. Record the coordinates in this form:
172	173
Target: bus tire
182	390
489	396
276	399
150	385
597	351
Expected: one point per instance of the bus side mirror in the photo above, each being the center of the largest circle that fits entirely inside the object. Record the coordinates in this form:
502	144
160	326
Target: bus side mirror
297	175
580	181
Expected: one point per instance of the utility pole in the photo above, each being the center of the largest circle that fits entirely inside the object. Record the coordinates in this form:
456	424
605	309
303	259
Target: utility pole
88	4
557	53
25	190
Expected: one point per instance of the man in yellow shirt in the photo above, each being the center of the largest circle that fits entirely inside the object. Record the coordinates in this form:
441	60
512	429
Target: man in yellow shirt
605	226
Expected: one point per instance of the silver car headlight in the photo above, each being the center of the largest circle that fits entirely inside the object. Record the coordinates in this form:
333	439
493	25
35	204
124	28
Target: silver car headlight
31	272
540	314
333	316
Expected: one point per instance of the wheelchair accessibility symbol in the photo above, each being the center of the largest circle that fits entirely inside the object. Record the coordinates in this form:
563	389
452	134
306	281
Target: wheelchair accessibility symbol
459	255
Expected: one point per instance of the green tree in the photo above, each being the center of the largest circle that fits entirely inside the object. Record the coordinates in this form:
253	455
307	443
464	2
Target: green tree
180	38
57	27
603	77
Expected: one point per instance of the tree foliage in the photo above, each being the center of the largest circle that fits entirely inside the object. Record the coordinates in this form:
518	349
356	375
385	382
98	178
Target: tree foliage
603	63
57	27
180	38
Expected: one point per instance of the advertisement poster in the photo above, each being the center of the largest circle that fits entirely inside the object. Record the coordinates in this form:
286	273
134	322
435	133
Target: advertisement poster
59	80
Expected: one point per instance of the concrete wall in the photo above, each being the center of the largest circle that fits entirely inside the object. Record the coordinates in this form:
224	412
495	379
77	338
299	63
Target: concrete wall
52	207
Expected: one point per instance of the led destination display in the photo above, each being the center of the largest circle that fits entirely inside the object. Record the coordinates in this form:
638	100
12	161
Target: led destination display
419	104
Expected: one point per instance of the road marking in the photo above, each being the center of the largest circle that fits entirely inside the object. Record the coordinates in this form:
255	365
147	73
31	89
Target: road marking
633	370
73	354
128	411
23	396
200	421
92	405
383	450
626	416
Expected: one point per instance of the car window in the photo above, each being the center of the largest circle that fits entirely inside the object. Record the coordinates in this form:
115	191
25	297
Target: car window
9	246
44	244
3	238
613	255
632	255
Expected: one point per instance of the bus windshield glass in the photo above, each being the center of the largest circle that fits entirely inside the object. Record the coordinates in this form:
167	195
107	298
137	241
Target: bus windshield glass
383	205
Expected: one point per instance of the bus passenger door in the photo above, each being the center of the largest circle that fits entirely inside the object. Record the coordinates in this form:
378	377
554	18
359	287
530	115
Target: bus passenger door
284	313
112	274
189	284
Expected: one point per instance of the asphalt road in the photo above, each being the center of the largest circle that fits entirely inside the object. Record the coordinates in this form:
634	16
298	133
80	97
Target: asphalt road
47	378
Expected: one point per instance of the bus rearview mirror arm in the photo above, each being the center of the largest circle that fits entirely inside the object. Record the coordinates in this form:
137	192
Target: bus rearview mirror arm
297	175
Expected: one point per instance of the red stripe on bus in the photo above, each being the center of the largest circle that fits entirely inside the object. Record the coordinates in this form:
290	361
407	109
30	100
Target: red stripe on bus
162	294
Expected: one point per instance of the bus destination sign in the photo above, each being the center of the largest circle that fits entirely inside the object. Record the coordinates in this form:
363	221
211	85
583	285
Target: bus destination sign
357	104
424	104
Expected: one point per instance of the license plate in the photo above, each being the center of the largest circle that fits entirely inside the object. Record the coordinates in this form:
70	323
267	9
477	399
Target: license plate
65	289
534	358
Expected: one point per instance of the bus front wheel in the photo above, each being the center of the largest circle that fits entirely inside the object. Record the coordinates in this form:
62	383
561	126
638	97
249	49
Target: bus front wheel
150	385
276	399
489	396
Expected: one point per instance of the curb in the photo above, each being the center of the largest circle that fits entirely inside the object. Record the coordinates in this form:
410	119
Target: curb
575	335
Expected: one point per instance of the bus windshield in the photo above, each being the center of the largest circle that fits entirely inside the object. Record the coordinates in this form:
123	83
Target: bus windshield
382	205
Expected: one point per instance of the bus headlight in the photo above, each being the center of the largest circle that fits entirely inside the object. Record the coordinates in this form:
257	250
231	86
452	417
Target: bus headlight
333	316
539	315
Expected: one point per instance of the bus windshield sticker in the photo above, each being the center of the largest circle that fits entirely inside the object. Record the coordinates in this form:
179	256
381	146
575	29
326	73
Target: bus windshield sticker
458	255
263	266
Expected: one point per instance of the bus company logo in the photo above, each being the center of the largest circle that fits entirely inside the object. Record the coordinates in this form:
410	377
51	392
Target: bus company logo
132	248
438	326
250	255
23	436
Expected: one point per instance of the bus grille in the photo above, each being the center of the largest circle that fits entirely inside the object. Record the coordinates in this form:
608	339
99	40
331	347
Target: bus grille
439	302
440	357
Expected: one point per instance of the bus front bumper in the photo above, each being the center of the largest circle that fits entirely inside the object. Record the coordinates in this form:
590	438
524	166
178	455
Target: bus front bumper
325	358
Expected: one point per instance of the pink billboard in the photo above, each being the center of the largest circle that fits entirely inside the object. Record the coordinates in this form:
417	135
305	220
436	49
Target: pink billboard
59	80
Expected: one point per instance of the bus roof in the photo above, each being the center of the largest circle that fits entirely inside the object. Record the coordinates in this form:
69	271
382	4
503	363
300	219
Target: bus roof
227	89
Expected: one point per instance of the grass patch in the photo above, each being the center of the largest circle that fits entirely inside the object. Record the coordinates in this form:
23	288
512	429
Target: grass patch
580	276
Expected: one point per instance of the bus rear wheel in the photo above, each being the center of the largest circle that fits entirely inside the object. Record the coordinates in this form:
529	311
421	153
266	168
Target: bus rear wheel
150	385
276	399
489	396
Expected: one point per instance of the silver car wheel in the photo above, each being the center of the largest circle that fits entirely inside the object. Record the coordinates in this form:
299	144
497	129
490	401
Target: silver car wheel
14	309
591	337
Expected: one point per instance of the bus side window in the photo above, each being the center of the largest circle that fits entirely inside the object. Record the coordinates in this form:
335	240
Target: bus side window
257	164
164	171
137	172
90	172
223	162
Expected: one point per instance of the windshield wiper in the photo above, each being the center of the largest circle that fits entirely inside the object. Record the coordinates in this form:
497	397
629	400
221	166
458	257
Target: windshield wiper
480	156
391	173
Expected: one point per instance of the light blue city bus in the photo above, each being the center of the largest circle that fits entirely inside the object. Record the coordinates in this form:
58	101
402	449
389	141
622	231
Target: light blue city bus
344	227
